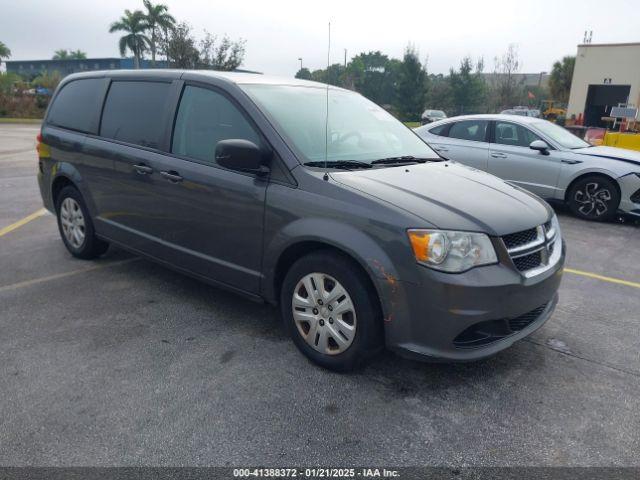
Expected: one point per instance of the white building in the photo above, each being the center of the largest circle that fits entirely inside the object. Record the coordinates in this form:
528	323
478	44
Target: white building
604	76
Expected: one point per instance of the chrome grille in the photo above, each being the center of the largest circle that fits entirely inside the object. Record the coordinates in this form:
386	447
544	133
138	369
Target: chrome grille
527	262
520	238
531	250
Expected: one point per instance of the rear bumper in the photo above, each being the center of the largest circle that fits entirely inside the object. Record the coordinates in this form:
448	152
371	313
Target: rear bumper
428	318
44	183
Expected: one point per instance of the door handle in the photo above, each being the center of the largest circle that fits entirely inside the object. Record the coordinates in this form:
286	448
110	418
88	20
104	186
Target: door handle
172	176
143	169
571	162
441	149
498	155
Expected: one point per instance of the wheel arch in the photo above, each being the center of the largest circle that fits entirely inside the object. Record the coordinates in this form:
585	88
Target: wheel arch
343	239
594	173
300	249
60	182
63	174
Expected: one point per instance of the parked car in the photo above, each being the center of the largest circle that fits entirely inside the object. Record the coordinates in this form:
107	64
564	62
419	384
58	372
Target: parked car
429	116
360	231
517	111
597	183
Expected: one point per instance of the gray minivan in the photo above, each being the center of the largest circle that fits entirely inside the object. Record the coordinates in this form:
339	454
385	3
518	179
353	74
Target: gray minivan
362	234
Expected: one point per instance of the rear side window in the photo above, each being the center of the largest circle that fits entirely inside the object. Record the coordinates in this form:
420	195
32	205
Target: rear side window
474	130
440	130
134	112
77	105
204	118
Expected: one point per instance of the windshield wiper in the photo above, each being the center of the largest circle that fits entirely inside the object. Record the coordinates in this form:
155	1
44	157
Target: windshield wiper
403	160
345	164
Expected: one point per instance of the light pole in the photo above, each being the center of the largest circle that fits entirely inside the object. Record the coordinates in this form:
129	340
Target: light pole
300	58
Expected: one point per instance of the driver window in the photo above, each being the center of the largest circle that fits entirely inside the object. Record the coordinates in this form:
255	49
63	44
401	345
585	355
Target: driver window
204	118
514	135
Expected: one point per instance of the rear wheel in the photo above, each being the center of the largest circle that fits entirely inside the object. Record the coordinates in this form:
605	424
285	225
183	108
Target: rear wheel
331	311
76	227
594	198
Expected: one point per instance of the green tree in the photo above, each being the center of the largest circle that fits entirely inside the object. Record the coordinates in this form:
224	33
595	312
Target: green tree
157	19
411	87
304	74
134	25
8	80
179	46
379	76
439	94
4	52
47	79
64	54
468	88
354	74
78	55
226	55
561	77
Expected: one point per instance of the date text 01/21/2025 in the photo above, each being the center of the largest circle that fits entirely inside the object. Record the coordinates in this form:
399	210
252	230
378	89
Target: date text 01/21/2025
315	472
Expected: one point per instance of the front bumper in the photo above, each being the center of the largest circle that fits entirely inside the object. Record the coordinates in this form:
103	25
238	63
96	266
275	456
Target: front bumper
429	318
630	194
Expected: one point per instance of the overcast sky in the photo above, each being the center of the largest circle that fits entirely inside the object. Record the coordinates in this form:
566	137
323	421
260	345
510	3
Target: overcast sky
278	32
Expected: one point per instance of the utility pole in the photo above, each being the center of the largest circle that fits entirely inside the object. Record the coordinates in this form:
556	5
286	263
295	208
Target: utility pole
345	58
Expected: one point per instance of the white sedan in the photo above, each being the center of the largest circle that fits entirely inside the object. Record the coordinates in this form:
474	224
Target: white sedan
596	182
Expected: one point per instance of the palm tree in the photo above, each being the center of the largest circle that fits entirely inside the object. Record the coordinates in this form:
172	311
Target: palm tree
4	52
78	55
156	18
134	25
62	54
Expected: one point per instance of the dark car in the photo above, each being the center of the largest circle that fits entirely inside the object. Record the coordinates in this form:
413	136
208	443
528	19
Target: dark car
362	234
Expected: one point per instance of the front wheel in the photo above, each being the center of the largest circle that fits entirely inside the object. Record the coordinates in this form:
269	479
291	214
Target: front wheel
331	311
594	198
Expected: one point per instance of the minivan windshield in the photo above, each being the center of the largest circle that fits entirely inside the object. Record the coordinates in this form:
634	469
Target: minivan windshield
561	136
357	129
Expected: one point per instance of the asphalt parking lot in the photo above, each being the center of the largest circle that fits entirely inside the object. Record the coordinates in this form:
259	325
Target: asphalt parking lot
122	362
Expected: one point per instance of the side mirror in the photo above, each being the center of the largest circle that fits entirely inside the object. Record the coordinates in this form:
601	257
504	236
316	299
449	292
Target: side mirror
241	155
540	146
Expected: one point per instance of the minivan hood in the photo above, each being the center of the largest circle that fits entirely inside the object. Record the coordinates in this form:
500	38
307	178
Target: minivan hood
451	196
614	153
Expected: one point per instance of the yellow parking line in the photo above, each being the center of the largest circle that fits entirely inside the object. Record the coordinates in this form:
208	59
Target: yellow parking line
603	278
24	221
57	276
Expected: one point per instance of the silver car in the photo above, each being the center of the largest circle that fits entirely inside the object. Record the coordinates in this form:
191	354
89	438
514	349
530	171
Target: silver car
596	182
429	116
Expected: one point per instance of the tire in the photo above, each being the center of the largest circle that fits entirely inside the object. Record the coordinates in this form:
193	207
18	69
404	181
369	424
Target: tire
347	323
76	227
595	198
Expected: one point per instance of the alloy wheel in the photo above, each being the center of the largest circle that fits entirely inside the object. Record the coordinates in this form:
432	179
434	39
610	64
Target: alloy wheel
593	199
73	224
324	313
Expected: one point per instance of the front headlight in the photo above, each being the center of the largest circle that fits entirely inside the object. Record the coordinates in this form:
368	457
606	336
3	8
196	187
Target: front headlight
451	251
